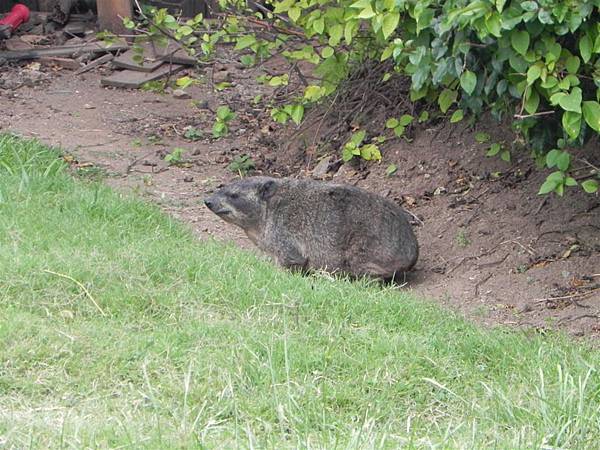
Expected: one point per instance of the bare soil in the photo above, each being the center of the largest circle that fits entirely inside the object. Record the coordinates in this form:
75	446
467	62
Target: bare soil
491	248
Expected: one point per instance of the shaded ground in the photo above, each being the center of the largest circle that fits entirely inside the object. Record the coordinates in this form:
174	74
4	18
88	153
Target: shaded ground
490	247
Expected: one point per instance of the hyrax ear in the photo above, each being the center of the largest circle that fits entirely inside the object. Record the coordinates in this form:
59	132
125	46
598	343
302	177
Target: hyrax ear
267	189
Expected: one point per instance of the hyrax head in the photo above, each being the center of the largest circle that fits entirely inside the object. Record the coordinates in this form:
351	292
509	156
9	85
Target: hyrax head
243	202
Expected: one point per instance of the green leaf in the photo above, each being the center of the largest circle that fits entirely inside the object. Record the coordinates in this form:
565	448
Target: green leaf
482	137
391	169
247	60
494	150
358	137
520	41
533	73
551	157
349	30
572	64
370	152
392	123
529	6
572	101
547	187
563	161
399	130
405	119
585	47
533	101
297	114
347	154
327	52
185	30
457	116
223	112
494	24
505	156
570	181
571	122
446	98
319	25
335	34
294	13
590	186
591	113
423	116
245	42
390	22
313	93
361	4
468	81
366	13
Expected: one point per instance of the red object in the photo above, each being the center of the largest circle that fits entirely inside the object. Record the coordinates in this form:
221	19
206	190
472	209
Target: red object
17	15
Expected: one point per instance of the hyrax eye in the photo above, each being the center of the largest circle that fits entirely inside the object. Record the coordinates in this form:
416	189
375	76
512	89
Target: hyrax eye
233	195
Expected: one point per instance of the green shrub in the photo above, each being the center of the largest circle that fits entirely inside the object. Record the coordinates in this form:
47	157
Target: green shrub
536	61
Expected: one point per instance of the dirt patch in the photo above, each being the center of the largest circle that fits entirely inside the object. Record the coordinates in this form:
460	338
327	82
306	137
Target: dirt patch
490	247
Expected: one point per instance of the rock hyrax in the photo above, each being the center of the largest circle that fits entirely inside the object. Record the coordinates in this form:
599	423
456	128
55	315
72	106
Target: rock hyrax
307	224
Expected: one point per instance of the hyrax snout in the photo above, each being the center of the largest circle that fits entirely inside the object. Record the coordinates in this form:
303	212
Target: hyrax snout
307	224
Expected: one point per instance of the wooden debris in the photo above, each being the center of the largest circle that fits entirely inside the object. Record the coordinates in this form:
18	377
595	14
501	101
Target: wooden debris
126	61
66	50
95	63
16	44
180	56
66	63
132	79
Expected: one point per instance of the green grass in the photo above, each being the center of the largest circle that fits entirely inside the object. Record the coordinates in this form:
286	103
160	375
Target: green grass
119	329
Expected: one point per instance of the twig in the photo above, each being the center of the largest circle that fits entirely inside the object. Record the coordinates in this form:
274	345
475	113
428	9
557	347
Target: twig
414	216
540	206
137	160
566	297
493	263
466	258
101	144
582	316
81	286
479	283
278	28
541	113
323	118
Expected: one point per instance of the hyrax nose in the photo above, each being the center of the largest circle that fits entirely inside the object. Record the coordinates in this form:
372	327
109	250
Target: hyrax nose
208	203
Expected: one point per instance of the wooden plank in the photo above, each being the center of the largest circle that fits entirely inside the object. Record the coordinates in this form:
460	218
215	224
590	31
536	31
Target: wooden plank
66	50
95	63
110	13
132	79
179	57
66	63
126	61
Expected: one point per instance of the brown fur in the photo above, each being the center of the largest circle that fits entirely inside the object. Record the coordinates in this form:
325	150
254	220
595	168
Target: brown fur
307	224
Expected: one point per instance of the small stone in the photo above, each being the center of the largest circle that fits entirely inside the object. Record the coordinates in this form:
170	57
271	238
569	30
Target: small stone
88	106
188	179
440	190
322	168
221	76
181	94
525	308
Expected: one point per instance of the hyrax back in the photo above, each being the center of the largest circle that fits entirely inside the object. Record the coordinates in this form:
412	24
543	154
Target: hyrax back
307	224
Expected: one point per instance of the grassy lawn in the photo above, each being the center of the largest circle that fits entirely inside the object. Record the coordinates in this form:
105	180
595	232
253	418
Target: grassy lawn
119	329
